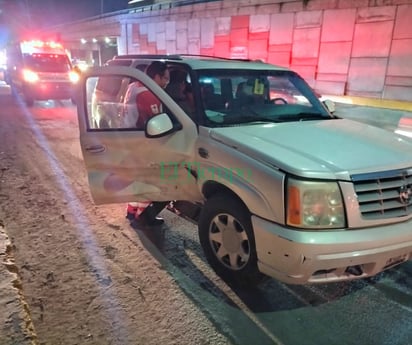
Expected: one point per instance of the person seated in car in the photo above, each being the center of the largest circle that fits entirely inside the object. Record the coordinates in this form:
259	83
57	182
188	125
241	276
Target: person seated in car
180	90
211	100
251	92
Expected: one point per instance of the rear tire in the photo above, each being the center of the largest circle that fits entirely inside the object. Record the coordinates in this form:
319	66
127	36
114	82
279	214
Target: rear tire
226	236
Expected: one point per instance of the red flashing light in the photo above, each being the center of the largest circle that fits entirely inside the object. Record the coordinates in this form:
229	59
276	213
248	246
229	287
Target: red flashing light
55	45
38	44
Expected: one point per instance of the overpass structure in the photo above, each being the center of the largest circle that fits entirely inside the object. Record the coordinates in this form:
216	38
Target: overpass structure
341	47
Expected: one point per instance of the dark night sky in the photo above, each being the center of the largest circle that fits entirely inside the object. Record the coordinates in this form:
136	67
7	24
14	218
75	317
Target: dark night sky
22	16
63	11
43	13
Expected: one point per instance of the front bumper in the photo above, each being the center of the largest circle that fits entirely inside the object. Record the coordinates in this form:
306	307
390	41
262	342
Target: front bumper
306	257
49	90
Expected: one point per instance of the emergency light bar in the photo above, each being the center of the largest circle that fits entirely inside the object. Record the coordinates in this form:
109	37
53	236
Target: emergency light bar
37	46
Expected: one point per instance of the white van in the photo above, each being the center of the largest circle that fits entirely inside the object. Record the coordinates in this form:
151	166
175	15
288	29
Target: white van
40	70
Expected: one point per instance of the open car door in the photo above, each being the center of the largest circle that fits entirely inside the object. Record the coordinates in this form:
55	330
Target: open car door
129	164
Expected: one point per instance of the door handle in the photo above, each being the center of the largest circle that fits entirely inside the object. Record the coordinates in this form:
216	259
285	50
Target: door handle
95	148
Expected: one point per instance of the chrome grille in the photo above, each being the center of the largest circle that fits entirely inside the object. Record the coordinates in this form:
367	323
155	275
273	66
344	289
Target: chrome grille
384	195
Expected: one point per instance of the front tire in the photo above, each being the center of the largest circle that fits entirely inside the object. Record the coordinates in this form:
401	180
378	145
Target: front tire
226	236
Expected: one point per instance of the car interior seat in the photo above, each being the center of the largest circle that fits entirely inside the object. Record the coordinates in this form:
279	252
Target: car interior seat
211	100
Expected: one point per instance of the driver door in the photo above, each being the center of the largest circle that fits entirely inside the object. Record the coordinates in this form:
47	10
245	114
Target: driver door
123	163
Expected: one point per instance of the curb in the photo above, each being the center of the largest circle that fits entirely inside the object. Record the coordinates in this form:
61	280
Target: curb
371	102
16	326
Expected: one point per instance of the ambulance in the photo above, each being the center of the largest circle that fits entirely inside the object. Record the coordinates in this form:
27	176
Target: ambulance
40	70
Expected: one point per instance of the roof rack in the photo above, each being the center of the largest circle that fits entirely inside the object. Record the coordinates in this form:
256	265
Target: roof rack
212	57
178	57
148	56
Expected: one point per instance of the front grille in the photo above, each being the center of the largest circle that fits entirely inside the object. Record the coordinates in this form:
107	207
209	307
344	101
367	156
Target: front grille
384	195
55	80
54	77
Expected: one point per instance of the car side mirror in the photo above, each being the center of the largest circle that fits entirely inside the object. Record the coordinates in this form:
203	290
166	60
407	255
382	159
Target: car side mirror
158	126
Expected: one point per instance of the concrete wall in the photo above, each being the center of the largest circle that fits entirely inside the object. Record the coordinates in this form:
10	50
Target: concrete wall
341	47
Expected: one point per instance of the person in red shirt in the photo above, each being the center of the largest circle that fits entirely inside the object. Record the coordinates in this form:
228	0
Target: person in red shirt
140	104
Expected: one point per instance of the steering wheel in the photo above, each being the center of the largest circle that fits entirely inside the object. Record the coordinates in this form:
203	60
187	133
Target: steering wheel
278	99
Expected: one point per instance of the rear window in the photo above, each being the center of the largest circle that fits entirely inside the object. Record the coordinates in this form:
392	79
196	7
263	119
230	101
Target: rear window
111	85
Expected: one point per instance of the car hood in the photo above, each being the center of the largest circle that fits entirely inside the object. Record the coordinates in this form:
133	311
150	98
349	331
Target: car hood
332	149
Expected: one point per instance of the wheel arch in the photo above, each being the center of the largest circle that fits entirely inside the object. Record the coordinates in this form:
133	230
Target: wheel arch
254	201
217	196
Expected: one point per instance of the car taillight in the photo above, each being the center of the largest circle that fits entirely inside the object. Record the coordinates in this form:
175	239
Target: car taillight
30	76
74	77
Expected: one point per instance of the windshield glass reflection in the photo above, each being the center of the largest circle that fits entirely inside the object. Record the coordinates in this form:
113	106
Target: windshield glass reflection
249	96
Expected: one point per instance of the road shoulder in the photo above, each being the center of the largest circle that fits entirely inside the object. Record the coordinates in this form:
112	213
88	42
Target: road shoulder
16	326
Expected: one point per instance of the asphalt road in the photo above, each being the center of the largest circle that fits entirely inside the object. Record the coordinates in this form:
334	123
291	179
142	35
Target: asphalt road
371	312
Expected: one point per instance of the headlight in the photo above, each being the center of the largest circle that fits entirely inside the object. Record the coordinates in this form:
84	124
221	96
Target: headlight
74	77
314	205
30	76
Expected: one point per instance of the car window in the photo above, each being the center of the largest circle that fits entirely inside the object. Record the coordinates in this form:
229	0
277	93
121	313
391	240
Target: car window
244	96
109	85
112	103
180	90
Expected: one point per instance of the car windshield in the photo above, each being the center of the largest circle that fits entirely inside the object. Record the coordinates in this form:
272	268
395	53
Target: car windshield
48	62
232	97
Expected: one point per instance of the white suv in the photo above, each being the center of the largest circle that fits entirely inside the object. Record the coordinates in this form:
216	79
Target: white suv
282	187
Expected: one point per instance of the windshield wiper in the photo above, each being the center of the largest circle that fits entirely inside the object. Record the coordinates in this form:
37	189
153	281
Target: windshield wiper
249	119
304	116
